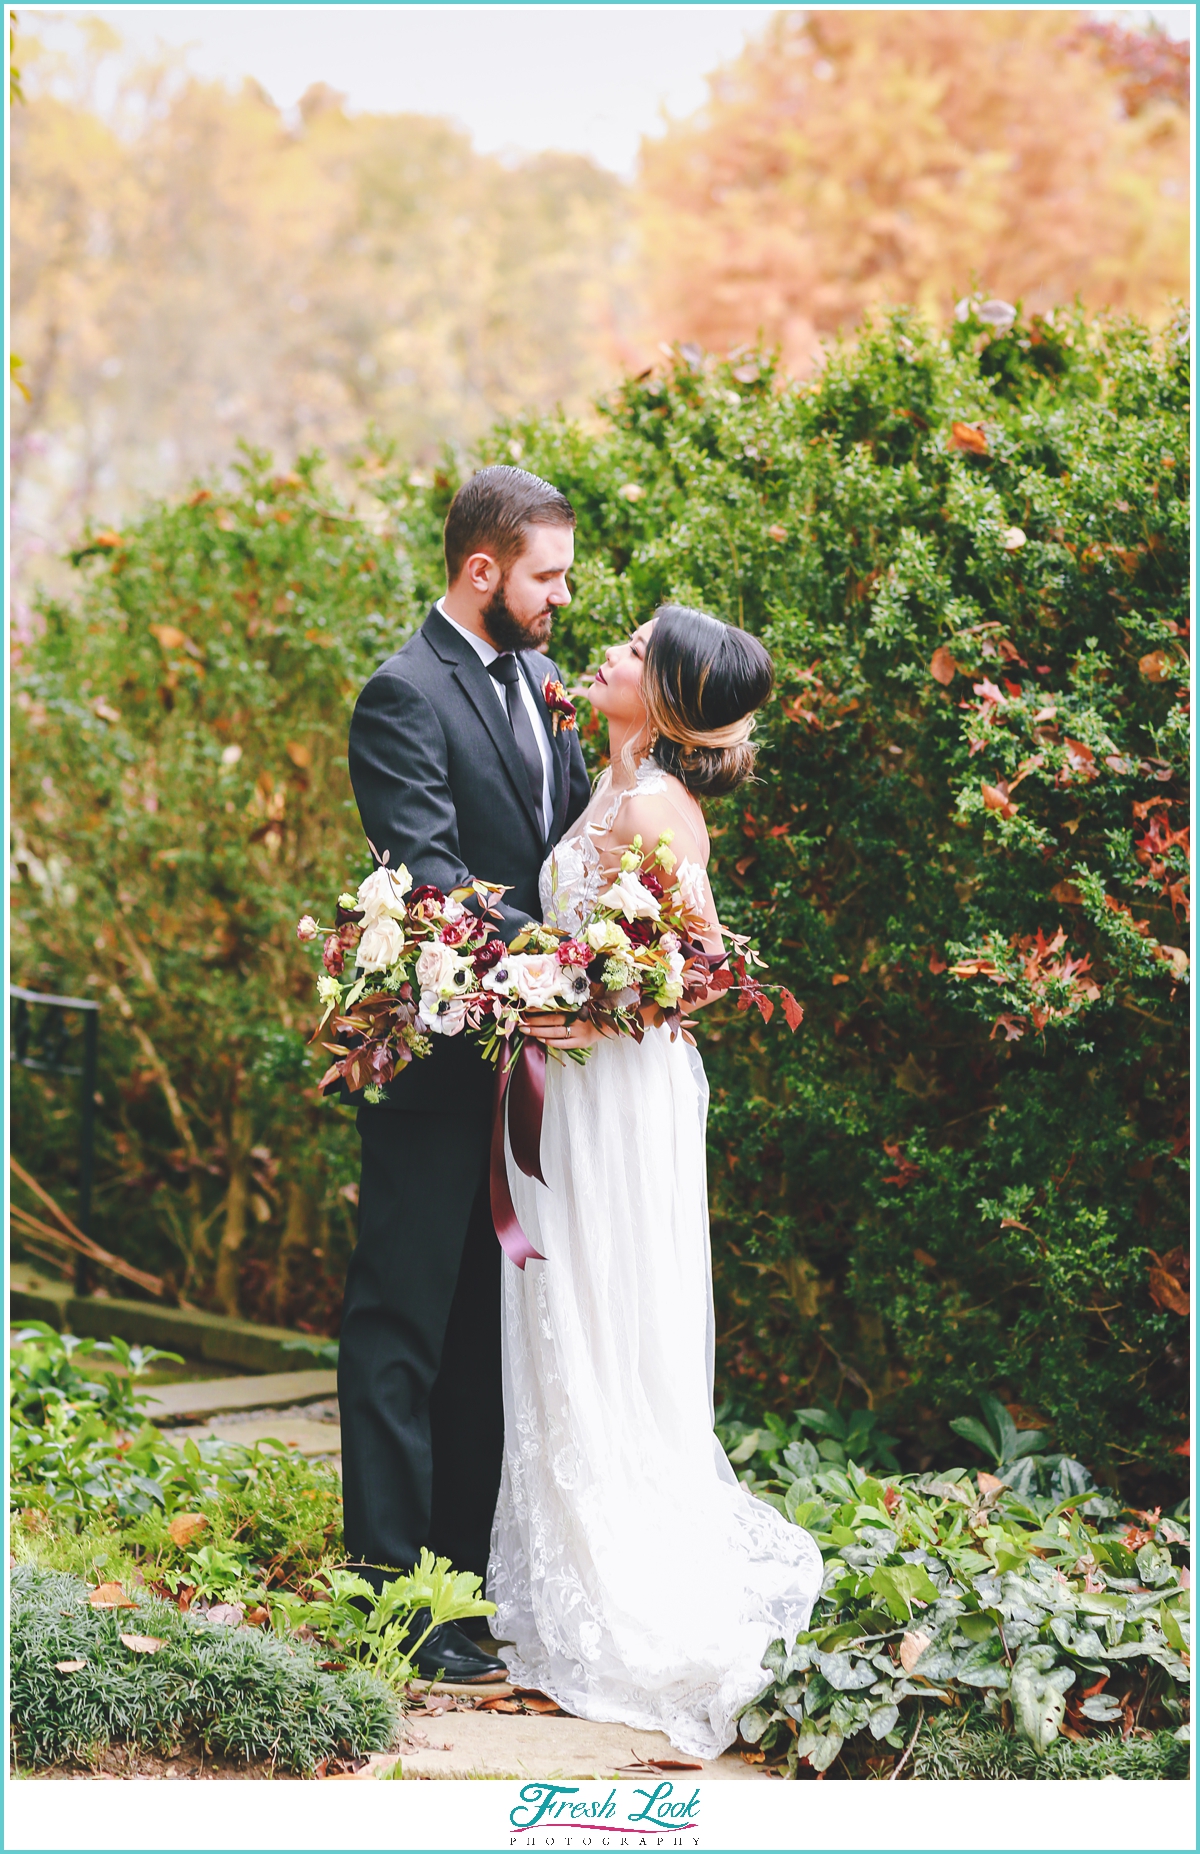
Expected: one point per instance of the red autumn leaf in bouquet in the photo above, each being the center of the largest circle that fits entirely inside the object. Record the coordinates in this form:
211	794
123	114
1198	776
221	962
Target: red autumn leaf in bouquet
793	1010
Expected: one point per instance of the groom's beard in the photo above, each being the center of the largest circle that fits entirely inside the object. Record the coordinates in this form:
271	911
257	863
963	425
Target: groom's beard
507	631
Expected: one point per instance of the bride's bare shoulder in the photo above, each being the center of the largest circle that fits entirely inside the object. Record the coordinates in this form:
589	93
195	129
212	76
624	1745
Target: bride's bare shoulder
666	805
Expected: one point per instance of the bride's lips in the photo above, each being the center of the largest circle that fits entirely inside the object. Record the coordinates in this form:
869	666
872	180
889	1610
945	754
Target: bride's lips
599	677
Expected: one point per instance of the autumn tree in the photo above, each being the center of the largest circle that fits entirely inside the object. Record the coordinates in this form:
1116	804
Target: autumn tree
189	269
853	158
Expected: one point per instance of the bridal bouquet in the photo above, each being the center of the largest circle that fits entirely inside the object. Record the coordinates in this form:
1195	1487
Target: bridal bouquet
402	965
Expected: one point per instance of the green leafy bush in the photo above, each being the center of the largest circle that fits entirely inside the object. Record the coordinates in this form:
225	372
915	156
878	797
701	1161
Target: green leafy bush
184	797
385	1628
967	856
938	1590
968	553
92	1478
76	1686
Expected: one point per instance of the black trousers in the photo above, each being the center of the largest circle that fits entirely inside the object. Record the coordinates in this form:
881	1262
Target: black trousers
419	1359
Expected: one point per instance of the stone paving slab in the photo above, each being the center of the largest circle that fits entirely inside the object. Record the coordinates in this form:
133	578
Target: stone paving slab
211	1396
293	1431
485	1744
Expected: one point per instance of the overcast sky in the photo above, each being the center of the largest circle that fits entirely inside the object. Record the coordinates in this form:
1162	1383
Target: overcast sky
594	79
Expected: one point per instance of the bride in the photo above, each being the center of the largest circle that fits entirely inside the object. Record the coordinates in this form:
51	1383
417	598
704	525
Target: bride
635	1578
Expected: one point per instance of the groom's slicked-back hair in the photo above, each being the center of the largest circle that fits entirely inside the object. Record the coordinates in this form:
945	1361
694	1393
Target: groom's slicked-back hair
491	512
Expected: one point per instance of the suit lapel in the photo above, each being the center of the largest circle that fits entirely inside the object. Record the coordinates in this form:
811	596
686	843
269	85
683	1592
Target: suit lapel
477	686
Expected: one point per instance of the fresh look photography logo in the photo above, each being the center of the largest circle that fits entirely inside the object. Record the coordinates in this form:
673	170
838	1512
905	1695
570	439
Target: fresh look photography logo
577	1815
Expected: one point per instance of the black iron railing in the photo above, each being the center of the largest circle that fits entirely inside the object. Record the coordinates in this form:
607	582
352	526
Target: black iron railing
44	1038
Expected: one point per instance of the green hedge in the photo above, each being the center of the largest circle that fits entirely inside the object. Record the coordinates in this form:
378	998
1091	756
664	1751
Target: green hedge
944	1183
967	1172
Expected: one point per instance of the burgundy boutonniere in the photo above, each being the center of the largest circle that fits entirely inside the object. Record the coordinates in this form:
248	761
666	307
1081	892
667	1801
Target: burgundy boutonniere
562	708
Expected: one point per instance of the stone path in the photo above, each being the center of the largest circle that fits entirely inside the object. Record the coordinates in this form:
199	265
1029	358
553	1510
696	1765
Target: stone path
300	1407
210	1396
297	1408
497	1744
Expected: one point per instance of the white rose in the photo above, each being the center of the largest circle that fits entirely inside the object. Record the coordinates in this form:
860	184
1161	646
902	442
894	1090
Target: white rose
381	945
441	1016
693	890
381	896
606	937
537	981
434	963
633	899
452	910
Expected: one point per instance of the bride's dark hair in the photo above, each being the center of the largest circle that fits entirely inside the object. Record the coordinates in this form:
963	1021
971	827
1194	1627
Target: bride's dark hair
701	682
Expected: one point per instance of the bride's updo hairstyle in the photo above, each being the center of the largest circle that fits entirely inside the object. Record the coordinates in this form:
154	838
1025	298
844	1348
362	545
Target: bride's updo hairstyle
701	682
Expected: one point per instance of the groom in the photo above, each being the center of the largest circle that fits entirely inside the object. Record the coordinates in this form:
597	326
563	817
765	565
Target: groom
458	771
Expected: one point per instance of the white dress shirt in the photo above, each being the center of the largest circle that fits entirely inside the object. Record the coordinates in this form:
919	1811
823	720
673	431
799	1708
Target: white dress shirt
487	653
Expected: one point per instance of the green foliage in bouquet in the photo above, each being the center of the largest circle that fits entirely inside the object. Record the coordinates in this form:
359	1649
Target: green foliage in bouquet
968	553
967	856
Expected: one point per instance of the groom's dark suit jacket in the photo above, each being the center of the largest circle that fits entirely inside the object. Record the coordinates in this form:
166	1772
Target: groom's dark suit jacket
441	787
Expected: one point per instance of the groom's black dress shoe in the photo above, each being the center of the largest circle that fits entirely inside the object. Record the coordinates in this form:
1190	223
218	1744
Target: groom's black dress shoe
447	1651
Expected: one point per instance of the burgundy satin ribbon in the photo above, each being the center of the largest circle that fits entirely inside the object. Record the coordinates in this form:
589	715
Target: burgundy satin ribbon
523	1082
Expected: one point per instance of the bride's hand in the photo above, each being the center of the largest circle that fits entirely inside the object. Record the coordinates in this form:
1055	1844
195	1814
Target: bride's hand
555	1030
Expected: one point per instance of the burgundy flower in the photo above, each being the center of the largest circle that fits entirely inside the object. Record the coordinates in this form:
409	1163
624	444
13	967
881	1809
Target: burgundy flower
562	708
489	956
458	931
426	892
640	932
652	883
573	953
332	957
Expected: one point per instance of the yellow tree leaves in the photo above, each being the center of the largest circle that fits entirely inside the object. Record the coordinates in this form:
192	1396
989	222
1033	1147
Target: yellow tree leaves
856	157
208	272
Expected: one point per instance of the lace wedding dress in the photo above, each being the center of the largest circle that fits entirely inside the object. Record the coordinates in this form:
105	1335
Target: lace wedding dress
637	1580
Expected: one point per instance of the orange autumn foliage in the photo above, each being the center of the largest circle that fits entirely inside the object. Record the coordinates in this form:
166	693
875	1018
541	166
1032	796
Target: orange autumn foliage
854	158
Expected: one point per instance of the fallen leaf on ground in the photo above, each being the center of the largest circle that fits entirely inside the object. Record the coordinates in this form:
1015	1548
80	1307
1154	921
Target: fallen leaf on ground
642	1766
497	1705
231	1613
184	1527
110	1596
533	1701
144	1644
912	1648
68	1667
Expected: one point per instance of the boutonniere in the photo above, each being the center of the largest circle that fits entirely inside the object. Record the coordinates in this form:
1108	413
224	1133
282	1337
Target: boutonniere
562	708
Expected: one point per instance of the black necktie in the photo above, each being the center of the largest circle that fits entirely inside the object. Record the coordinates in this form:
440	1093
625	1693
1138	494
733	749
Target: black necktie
506	671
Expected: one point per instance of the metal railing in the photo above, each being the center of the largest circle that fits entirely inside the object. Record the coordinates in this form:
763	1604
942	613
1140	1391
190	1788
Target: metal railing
43	1039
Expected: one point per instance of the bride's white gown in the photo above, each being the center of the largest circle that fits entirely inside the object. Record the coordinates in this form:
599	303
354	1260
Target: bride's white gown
636	1578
